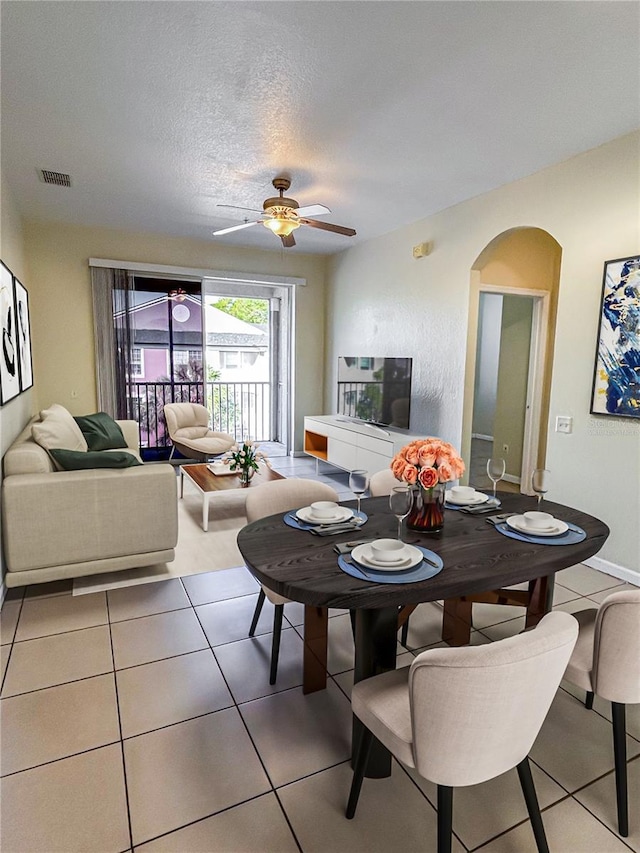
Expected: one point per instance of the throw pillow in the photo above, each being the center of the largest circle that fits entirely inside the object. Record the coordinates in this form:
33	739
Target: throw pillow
101	432
70	460
58	429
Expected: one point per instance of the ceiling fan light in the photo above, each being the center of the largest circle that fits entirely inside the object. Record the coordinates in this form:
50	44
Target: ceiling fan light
281	227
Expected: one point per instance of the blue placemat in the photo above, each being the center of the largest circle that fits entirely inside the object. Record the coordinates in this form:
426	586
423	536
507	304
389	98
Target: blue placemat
422	572
573	535
290	519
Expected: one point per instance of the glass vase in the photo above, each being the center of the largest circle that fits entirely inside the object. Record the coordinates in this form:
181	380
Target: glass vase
245	476
427	512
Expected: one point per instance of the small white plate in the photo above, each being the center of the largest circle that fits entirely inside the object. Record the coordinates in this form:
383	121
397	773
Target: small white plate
306	514
474	500
362	554
518	522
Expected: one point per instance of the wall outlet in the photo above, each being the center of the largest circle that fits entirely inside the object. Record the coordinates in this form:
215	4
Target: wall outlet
505	448
564	423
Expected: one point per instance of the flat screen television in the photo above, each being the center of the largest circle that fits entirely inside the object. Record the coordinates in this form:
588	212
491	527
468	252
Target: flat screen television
375	390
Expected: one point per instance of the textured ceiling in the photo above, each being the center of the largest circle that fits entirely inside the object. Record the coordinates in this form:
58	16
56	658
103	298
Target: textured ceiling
385	112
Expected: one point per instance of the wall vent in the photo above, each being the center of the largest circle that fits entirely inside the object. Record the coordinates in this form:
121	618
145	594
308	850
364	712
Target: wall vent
57	178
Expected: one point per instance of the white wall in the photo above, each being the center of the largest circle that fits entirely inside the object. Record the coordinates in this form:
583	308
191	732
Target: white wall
486	383
382	300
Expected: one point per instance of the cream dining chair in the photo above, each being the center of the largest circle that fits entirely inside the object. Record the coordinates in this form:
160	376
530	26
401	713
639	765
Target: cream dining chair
381	483
606	663
461	716
268	499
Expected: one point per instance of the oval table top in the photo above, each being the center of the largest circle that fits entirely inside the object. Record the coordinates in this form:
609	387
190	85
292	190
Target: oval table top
476	557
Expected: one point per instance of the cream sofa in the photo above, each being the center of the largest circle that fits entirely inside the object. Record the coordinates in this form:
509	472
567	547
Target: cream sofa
62	524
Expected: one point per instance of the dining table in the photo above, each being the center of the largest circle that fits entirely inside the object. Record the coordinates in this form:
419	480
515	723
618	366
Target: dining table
479	564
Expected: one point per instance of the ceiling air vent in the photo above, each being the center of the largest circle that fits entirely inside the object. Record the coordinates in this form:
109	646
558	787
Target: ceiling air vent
57	178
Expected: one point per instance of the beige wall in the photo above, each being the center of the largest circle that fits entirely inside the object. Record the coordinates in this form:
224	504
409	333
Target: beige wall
383	302
60	293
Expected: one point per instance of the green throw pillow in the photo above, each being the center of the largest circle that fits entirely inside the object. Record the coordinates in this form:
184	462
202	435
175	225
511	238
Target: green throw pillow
76	460
101	432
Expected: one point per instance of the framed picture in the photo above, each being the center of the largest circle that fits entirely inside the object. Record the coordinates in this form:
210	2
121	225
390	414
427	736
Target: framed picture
23	335
9	371
616	381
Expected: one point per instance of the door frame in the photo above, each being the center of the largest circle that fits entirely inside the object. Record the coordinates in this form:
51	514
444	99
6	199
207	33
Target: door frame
535	378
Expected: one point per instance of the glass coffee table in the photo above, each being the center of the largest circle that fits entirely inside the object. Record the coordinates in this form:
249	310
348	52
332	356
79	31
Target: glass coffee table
208	483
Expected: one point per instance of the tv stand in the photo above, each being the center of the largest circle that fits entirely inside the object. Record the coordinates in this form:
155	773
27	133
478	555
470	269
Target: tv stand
349	444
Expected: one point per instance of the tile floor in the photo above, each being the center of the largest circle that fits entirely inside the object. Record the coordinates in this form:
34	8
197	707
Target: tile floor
141	719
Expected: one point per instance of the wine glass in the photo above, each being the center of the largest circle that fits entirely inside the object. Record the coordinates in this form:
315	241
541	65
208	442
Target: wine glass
540	483
400	501
495	471
358	483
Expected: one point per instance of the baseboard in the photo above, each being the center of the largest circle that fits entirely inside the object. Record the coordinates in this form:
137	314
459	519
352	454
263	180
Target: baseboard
511	478
481	436
613	569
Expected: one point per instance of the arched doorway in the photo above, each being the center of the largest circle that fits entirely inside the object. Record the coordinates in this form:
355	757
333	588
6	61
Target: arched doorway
512	315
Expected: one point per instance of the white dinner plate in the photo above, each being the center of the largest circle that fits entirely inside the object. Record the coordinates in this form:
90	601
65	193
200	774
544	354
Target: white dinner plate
518	522
306	514
474	500
362	554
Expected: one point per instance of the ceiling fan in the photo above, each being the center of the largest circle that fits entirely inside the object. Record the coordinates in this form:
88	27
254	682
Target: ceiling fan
283	215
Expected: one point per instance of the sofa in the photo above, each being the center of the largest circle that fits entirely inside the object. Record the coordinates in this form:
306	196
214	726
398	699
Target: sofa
60	524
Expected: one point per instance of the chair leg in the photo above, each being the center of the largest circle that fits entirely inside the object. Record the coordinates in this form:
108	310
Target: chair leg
404	633
620	755
588	700
173	450
360	764
256	612
445	818
531	799
352	617
275	644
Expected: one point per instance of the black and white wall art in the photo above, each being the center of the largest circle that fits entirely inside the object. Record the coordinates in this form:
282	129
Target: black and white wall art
9	370
23	335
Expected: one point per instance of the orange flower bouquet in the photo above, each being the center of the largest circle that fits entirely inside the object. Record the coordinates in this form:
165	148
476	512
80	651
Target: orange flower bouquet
428	464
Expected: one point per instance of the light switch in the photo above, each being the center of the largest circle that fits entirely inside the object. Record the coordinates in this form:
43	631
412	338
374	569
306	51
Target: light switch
564	424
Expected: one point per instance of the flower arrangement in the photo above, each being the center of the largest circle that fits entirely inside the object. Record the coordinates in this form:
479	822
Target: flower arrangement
427	462
245	459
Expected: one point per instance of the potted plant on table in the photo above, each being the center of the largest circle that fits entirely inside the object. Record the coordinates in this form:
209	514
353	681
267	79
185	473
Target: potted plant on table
245	459
427	465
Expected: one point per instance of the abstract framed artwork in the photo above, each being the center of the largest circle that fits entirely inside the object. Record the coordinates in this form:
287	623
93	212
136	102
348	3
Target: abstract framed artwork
9	371
23	335
616	381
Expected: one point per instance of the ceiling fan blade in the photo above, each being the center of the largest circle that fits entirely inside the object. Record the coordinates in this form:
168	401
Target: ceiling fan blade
327	226
235	228
235	207
288	242
313	210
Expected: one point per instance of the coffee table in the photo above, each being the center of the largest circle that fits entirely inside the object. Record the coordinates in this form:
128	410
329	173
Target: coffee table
208	483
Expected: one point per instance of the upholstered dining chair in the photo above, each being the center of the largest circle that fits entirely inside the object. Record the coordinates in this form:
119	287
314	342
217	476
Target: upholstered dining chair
381	483
461	716
606	663
268	499
188	426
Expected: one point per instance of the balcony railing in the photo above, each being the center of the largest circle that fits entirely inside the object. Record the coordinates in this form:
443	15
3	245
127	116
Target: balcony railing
242	409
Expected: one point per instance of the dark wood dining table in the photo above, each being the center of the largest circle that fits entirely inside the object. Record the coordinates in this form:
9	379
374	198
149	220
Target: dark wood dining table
479	563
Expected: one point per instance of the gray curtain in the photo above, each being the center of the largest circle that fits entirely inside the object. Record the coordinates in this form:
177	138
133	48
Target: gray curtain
112	289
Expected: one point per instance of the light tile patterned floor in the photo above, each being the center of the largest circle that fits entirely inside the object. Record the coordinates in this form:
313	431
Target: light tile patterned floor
142	719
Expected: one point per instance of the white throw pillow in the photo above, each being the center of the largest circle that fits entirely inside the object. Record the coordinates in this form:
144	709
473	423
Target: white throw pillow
58	430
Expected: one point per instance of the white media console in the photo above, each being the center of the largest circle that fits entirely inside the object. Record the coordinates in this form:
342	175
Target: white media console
353	444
